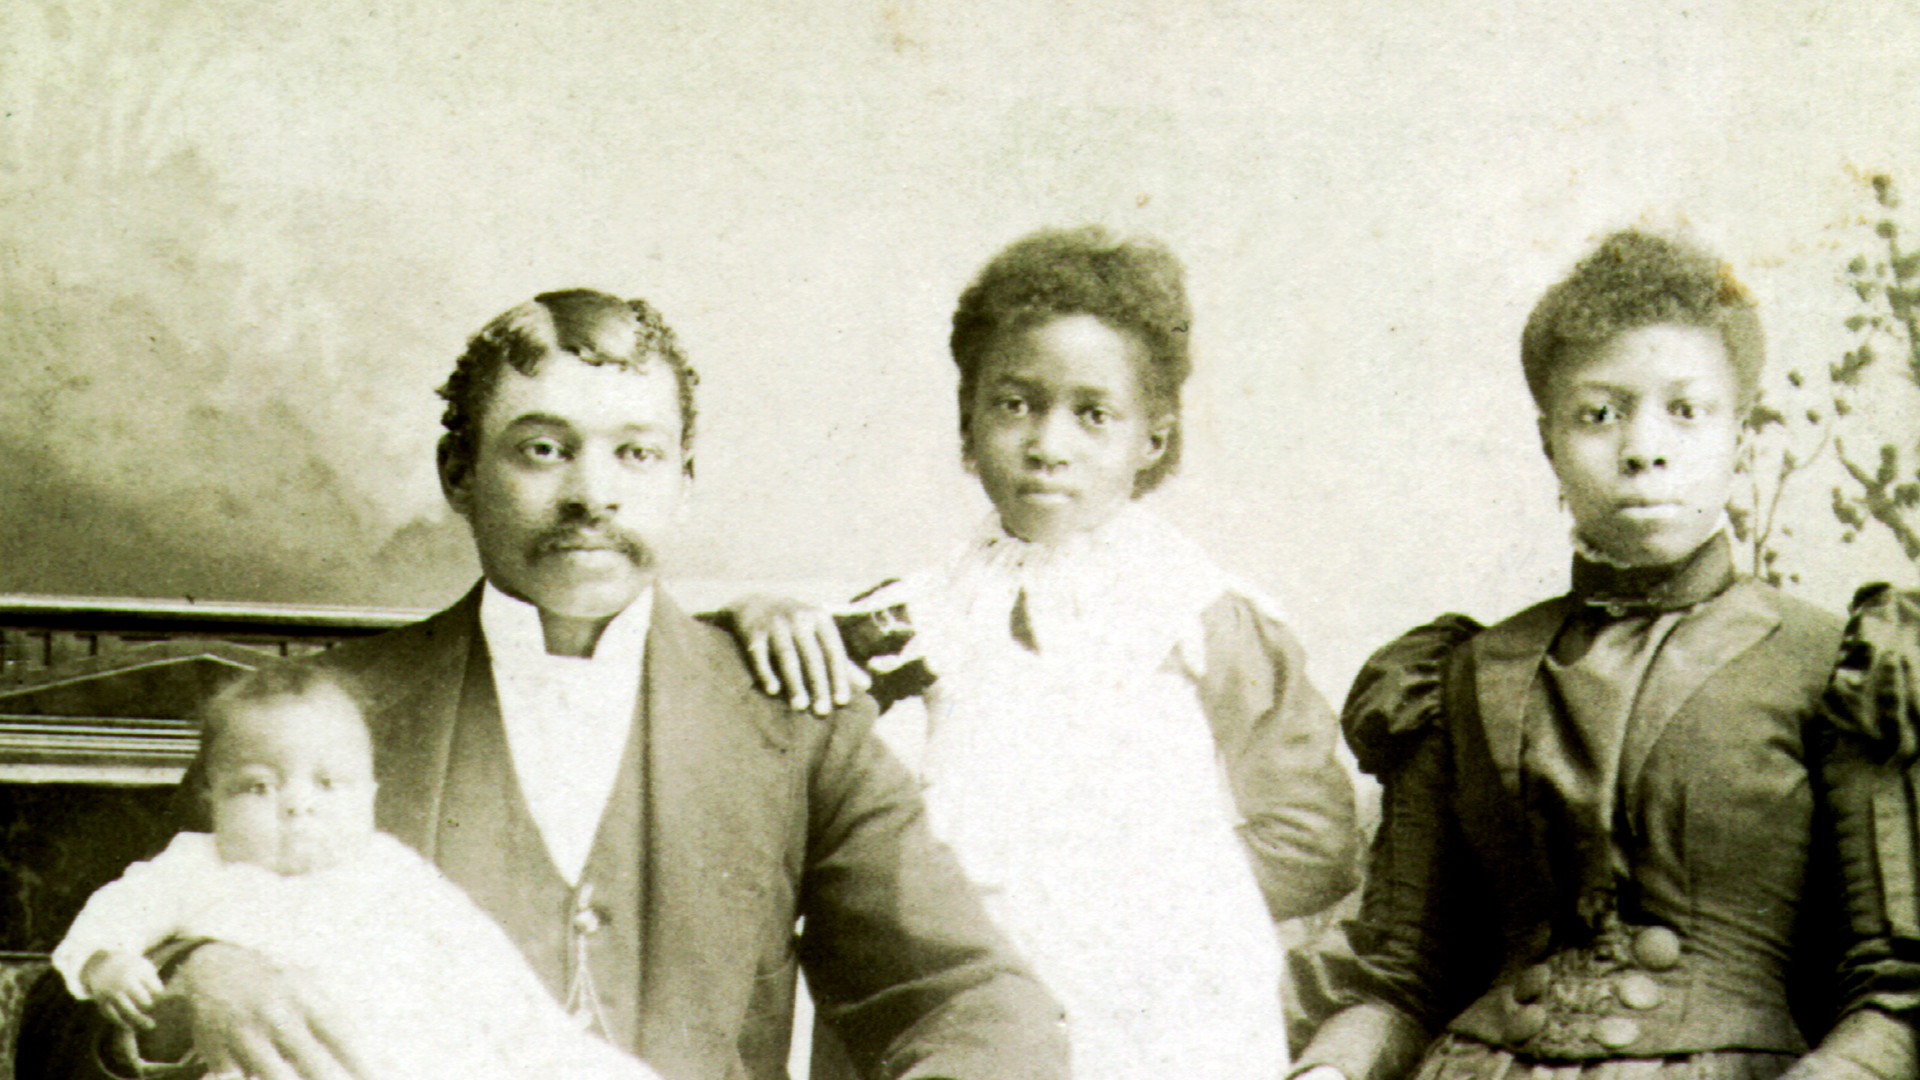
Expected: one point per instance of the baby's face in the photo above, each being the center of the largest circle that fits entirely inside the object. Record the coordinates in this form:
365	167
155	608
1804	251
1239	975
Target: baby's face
291	783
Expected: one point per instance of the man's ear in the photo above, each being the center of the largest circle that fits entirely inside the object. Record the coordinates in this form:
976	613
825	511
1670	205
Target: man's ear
456	475
967	460
683	505
1546	440
1159	437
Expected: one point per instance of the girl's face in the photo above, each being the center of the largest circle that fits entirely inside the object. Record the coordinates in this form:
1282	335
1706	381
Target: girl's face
1060	426
1643	430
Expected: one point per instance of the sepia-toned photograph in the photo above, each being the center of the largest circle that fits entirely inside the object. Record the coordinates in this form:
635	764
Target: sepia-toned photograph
1223	540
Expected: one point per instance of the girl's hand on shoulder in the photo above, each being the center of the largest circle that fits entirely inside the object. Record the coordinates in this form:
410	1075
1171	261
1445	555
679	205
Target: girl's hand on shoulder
796	650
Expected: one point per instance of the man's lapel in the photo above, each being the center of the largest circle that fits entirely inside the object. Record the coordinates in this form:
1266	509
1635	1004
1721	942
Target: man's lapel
415	683
720	806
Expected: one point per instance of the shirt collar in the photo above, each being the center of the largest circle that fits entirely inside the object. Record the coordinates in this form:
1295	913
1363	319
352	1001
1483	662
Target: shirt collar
513	633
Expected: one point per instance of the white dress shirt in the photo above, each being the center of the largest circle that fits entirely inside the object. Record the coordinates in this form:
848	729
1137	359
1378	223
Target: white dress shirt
567	718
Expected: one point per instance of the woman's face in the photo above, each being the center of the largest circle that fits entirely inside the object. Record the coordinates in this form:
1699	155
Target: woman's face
1060	425
1644	430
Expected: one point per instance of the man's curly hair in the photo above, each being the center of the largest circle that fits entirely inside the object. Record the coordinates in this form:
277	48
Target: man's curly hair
1634	280
594	327
1134	286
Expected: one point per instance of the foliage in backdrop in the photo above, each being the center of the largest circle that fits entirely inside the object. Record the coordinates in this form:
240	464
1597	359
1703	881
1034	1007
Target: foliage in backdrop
1855	421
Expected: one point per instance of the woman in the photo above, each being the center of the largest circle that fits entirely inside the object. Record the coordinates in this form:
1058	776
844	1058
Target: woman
1604	851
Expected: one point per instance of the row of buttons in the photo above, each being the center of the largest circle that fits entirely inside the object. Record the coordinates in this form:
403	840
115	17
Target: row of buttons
1562	1006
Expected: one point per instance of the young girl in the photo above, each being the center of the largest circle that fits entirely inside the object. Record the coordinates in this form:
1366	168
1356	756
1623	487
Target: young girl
1604	849
1117	739
294	870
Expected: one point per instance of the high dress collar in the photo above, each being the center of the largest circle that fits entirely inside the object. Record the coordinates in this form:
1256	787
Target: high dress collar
1620	591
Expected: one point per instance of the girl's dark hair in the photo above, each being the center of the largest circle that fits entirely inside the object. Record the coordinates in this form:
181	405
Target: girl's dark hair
1634	280
1134	286
595	327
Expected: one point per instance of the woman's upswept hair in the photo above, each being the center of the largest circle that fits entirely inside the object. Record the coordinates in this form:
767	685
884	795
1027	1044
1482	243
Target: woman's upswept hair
1635	280
1134	286
595	327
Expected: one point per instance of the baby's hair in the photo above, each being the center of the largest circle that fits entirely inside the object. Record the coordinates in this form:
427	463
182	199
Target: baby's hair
1635	280
595	327
1134	286
269	682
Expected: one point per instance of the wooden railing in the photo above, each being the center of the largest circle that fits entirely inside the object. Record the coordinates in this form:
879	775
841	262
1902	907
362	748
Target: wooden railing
96	700
99	690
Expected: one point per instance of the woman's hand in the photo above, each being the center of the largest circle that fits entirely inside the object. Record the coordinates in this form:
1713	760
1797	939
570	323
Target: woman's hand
1818	1066
796	648
250	1017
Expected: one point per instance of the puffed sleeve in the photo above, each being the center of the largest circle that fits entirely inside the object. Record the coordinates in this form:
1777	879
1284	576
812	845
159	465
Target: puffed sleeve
1277	736
1417	937
1869	771
1396	698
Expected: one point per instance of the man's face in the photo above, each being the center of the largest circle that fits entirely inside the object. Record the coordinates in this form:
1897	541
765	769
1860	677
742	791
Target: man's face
575	467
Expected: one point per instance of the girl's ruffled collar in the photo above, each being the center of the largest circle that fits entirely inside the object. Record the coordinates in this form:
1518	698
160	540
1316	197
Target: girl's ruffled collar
1126	593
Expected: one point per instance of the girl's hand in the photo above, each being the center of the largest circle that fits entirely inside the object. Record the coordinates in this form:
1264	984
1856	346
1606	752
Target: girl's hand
796	648
126	985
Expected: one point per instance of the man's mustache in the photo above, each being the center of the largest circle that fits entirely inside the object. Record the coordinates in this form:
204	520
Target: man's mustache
570	536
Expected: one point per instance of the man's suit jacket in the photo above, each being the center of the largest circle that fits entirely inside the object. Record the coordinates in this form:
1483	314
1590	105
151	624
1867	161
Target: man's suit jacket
756	817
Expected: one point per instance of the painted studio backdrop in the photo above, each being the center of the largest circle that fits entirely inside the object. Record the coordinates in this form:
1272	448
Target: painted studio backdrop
242	242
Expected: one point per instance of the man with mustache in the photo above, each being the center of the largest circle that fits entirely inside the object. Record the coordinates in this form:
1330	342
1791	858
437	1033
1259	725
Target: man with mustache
597	770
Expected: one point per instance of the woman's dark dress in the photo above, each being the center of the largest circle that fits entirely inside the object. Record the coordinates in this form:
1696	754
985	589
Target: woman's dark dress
1606	847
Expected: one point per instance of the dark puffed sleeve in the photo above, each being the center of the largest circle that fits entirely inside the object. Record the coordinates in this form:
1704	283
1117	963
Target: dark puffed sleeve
1417	931
1869	772
1396	698
1277	738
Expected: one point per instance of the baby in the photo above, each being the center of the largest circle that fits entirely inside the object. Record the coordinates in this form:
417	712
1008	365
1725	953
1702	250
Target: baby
295	871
